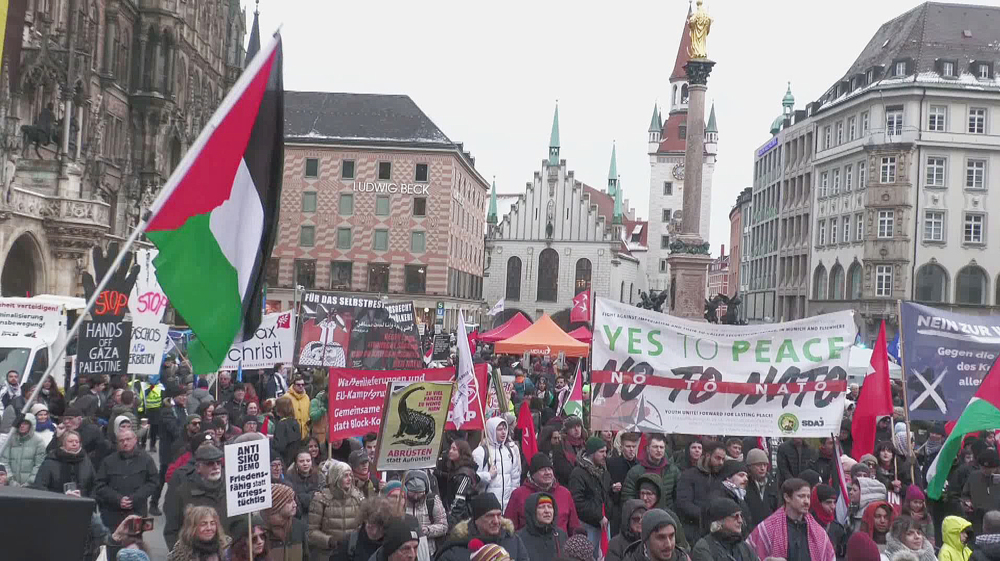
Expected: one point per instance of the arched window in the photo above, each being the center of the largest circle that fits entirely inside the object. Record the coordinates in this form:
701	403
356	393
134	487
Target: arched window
971	285
819	283
854	282
837	282
684	93
513	279
675	94
631	292
583	268
932	284
621	293
548	275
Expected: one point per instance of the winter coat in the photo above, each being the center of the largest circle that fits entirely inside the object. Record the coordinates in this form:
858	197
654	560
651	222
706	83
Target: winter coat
894	548
762	500
457	546
463	484
721	545
225	393
693	490
60	467
618	467
122	474
197	397
317	414
720	491
196	491
433	525
172	421
637	552
333	513
294	547
24	455
275	385
669	475
506	458
300	408
364	548
621	541
951	534
544	542
793	460
987	548
590	486
185	552
124	411
304	486
287	436
566	517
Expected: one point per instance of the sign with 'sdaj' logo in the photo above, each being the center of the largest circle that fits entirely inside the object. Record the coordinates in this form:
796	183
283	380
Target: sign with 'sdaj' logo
248	477
272	343
654	372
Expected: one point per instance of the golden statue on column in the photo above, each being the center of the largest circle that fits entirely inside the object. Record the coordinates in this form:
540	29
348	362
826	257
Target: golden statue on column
699	24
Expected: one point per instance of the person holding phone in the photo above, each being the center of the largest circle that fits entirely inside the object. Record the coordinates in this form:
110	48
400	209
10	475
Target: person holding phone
125	482
67	469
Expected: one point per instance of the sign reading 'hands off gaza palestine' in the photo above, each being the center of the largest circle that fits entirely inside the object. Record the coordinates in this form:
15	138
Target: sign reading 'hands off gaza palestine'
658	373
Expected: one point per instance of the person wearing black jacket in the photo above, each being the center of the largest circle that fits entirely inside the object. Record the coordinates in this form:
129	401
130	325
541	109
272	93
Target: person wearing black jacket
550	441
725	541
125	482
67	463
825	462
173	415
731	485
542	537
619	466
590	485
694	488
287	434
762	491
91	437
794	457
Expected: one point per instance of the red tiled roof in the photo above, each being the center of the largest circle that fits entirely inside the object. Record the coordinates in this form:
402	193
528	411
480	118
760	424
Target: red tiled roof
605	204
672	141
630	227
682	52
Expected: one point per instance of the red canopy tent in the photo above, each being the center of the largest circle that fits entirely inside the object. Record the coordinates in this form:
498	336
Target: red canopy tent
512	327
582	334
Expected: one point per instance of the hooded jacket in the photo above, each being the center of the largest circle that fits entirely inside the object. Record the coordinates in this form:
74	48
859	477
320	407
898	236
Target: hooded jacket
792	460
895	548
566	517
197	397
433	524
24	455
590	486
625	538
987	548
506	457
951	534
723	545
333	512
300	408
457	546
693	490
667	472
304	486
544	542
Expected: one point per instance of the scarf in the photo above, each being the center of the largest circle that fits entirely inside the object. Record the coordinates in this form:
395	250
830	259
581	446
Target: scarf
868	519
279	526
770	538
47	425
818	512
591	467
204	549
739	492
69	466
654	468
571	446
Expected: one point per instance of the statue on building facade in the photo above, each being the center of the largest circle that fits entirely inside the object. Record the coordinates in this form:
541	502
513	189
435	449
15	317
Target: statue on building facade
40	133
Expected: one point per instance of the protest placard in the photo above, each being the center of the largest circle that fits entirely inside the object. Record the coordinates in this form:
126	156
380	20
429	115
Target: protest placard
272	343
248	477
655	372
356	396
103	347
413	418
146	347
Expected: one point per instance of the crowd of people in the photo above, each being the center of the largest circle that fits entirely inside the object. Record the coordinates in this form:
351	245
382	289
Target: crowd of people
584	496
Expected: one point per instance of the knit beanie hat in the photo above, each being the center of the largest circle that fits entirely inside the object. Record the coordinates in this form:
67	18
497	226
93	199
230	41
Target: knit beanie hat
572	421
721	508
988	458
872	490
391	486
653	520
238	527
579	548
483	503
539	462
39	407
810	477
357	458
479	551
594	444
868	458
731	468
398	532
913	493
757	456
847	462
414	483
647	484
860	547
824	492
280	496
132	555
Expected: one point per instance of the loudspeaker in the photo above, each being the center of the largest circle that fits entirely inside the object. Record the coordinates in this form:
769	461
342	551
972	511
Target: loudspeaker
43	525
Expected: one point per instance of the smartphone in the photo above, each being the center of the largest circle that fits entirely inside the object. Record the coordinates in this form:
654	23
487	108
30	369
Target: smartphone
69	487
147	524
135	526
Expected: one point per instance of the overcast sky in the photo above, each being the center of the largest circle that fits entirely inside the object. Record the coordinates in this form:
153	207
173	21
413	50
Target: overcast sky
489	74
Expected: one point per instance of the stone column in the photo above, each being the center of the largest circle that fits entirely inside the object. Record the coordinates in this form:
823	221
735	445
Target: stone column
689	253
111	31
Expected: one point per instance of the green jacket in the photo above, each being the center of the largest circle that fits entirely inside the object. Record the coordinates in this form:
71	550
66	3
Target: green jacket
668	483
24	455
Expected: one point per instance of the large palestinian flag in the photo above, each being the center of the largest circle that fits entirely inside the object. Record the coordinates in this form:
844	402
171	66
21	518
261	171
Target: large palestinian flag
982	413
216	219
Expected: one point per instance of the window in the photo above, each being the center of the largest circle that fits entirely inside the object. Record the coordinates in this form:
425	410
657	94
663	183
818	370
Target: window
682	131
847	229
836	283
343	238
824	183
852	128
420	175
886	220
513	279
340	275
385	171
827	136
418	242
381	205
888	174
419	206
347	169
819	283
970	285
864	122
668	188
894	120
975	174
548	275
840	132
869	76
937	118
381	240
664	242
378	277
977	120
583	269
854	282
859	226
900	69
346	204
309	201
833	230
836	181
883	280
663	265
934	226
984	71
862	179
935	171
272	272
947	68
848	177
312	167
305	273
415	279
666	215
307	236
932	283
822	233
974	227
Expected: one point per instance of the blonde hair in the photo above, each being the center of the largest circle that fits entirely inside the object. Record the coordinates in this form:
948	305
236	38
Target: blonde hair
193	515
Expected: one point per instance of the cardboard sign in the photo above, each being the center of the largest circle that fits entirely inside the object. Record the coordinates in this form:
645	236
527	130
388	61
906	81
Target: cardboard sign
248	477
356	396
146	348
147	302
413	419
103	347
272	343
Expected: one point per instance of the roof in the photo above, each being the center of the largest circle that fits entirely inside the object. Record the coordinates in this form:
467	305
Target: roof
613	171
511	327
672	142
554	137
605	202
682	51
711	126
544	338
654	124
380	119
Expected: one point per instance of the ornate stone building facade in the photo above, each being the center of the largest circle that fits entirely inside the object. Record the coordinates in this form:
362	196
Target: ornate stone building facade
138	80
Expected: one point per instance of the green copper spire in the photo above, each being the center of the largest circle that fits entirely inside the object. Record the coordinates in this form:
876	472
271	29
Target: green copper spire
618	204
491	216
711	126
554	139
613	172
655	125
789	99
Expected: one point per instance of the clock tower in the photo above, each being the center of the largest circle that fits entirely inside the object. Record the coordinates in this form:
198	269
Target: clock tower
667	147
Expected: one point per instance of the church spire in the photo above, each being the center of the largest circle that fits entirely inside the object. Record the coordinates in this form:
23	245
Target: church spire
613	172
554	139
254	45
618	204
682	51
711	127
655	125
491	216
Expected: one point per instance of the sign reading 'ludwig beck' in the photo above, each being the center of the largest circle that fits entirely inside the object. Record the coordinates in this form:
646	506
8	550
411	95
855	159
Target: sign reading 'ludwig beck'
391	188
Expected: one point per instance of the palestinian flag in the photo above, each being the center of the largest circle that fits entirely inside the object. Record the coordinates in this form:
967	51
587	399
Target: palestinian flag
982	413
574	401
216	219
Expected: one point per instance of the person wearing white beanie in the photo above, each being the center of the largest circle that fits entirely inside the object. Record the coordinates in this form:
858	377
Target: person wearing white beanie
44	427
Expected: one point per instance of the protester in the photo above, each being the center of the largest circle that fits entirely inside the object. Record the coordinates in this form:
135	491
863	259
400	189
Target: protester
11	389
401	542
694	489
45	429
590	485
458	481
274	384
223	389
988	543
198	398
360	469
655	461
618	466
725	533
303	477
241	532
823	505
373	519
334	512
317	416
541	478
790	533
762	489
689	456
286	534
732	485
201	537
794	456
422	504
982	489
486	525
955	532
915	506
67	469
125	481
25	452
906	536
499	461
657	542
550	442
205	487
631	529
860	547
288	433
876	522
300	404
542	537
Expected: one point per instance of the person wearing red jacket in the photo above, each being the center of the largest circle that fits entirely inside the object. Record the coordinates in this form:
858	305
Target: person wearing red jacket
541	479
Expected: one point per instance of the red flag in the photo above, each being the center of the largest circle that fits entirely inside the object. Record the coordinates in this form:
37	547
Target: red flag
875	399
581	307
525	422
605	537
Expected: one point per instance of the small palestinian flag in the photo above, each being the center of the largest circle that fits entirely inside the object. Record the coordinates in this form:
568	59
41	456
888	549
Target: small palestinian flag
216	220
574	401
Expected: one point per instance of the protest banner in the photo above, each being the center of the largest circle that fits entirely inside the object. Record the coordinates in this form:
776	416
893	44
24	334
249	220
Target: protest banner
352	332
147	302
413	418
494	405
659	373
473	417
103	347
24	316
442	347
146	347
945	358
356	396
272	343
248	477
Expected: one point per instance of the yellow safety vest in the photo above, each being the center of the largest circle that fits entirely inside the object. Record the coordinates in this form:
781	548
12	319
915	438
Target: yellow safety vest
152	397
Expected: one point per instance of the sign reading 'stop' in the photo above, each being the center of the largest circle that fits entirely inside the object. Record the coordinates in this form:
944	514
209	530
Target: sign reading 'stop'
391	188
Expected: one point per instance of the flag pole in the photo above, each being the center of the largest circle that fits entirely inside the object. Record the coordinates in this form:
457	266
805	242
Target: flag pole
911	457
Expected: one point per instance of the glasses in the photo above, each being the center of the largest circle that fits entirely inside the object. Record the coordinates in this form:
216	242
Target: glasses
258	537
